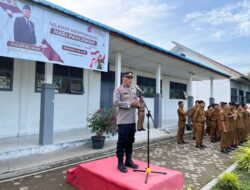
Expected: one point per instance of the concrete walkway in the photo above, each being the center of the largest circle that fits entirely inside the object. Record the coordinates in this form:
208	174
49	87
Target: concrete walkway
20	156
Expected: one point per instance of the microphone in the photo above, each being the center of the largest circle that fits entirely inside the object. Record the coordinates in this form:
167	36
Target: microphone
138	88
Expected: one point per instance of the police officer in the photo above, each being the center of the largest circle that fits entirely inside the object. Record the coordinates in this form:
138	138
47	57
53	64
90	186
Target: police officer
126	102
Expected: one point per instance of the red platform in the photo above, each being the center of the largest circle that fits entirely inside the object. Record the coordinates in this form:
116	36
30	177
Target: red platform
104	175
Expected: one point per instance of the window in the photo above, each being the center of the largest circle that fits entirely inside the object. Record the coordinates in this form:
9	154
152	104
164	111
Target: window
177	90
148	85
241	96
6	73
248	97
40	70
234	97
68	80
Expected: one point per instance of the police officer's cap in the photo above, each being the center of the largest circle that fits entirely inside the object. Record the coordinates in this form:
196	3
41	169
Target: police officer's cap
27	7
128	74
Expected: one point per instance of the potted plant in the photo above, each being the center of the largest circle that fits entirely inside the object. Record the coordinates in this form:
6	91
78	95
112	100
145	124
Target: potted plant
101	122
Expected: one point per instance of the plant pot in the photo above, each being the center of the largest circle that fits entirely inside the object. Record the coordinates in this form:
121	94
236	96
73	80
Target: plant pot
98	142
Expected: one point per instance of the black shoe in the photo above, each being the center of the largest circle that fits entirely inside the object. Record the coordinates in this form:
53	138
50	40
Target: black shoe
184	142
198	146
143	129
193	138
122	168
203	146
228	150
138	129
131	164
224	151
179	142
232	148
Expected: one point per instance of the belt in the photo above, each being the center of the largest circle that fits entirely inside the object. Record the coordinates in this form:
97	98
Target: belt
200	121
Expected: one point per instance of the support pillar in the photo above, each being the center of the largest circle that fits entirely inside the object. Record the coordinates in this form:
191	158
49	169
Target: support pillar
47	107
118	62
190	99
211	99
158	99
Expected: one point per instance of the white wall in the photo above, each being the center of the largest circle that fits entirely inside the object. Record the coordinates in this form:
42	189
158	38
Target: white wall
171	105
9	107
20	108
201	90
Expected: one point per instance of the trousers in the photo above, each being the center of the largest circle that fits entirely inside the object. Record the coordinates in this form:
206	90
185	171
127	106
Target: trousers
126	138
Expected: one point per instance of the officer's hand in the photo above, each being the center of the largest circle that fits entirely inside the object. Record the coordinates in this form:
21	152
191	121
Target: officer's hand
135	104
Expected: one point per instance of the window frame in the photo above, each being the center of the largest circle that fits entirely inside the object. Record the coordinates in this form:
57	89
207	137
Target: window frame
69	78
234	95
10	71
151	84
177	90
248	97
241	96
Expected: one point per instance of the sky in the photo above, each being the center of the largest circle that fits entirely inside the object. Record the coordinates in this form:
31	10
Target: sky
218	29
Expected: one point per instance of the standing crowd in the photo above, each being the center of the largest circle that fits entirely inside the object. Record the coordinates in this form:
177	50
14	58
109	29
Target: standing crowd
227	123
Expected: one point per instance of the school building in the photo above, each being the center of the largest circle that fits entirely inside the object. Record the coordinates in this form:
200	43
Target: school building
42	97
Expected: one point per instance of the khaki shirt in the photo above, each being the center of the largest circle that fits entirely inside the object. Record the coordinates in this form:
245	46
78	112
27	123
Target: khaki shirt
215	115
239	121
181	115
122	98
200	115
223	117
192	111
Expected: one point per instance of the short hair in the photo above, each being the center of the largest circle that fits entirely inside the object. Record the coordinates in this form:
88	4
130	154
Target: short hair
201	102
180	102
231	103
26	7
197	101
223	104
214	105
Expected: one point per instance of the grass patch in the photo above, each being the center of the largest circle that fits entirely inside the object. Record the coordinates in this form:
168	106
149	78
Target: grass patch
244	178
229	181
243	158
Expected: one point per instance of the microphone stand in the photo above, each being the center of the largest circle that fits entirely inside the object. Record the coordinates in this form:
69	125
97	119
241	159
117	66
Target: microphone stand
148	169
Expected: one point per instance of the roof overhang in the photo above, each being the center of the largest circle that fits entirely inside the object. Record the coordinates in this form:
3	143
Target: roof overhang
143	57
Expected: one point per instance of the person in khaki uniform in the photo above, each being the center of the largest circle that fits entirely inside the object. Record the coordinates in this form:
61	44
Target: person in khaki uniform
248	121
181	123
192	112
214	122
239	125
245	121
223	125
232	124
208	119
200	118
141	115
